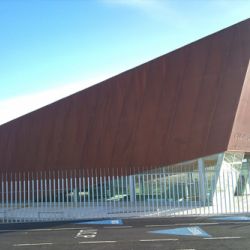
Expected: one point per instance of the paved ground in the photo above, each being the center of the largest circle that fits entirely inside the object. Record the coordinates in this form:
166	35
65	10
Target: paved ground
204	233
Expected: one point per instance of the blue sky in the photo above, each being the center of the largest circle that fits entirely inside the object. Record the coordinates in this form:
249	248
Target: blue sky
50	49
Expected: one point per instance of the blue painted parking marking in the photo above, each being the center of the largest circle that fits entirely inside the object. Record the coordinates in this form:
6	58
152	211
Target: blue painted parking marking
101	222
185	231
233	218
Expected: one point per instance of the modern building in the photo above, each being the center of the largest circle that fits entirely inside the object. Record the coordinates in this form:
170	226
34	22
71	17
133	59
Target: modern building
171	136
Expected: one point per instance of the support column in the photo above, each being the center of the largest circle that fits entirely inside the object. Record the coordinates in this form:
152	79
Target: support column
216	182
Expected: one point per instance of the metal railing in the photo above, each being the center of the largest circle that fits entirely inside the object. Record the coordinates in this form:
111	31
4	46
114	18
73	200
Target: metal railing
159	192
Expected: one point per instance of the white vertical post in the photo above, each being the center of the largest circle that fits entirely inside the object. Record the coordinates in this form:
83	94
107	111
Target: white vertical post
148	192
152	191
105	191
113	189
229	193
177	190
50	191
122	188
71	191
37	191
161	175
33	190
20	191
118	190
144	192
92	190
41	185
58	190
28	190
46	190
169	193
88	191
76	191
156	191
84	190
233	197
247	187
220	189
2	193
140	191
215	190
212	191
241	193
54	189
225	191
126	185
173	187
7	192
67	189
165	192
135	200
16	192
206	189
184	190
24	193
11	191
63	190
109	192
187	190
80	188
101	188
97	187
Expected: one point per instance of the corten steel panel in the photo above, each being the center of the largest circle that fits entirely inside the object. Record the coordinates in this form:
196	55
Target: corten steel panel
177	107
240	137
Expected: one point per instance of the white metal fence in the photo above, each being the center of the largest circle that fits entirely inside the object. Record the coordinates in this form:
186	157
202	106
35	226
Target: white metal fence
192	189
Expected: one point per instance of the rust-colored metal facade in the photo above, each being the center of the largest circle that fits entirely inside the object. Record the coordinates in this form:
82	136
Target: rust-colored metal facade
178	107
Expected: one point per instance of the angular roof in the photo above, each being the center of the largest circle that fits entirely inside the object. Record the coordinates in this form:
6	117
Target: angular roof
183	105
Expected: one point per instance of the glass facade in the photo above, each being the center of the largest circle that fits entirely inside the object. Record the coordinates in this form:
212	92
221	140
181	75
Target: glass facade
216	184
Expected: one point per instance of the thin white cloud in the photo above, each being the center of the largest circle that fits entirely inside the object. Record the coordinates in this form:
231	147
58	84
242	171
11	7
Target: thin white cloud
140	4
221	12
236	10
159	10
20	105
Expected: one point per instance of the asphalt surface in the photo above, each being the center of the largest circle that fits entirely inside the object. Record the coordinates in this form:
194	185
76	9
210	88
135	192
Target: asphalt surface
130	235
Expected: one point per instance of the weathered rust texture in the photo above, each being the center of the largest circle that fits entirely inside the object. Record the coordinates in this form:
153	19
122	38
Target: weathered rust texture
177	107
240	137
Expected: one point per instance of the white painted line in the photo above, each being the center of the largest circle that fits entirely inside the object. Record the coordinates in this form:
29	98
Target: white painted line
157	225
32	244
160	225
223	238
121	227
97	242
146	240
57	229
184	224
45	229
70	228
186	249
204	223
